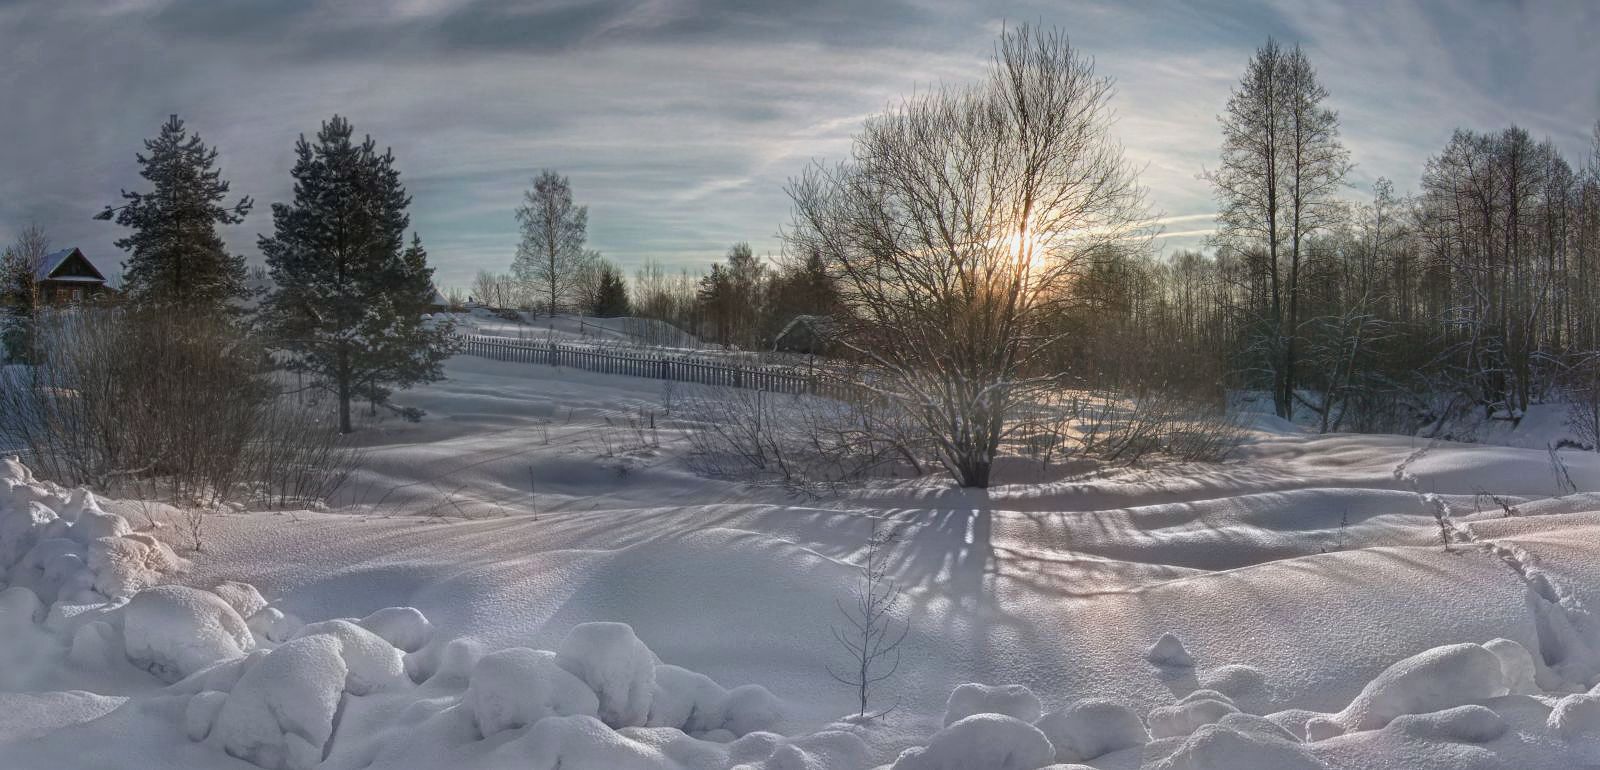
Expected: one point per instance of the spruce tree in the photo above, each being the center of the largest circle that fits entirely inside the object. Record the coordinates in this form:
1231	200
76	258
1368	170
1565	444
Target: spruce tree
611	299
175	256
349	297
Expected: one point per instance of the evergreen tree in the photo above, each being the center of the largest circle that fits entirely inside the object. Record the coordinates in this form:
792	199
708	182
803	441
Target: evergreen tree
174	253
16	307
348	298
611	300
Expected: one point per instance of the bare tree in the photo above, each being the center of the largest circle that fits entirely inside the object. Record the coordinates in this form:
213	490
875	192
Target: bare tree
870	634
957	227
551	255
1281	164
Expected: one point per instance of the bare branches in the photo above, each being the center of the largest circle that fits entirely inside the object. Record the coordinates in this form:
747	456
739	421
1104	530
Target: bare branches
870	634
961	220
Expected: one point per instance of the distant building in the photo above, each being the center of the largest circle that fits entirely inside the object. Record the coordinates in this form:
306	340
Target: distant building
66	277
812	334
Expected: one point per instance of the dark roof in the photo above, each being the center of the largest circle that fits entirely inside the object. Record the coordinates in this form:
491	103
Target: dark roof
54	261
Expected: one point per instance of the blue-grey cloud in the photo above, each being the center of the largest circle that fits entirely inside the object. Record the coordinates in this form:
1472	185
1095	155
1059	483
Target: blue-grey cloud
679	121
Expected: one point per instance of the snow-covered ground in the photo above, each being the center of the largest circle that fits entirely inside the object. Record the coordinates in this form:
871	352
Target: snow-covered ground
1291	608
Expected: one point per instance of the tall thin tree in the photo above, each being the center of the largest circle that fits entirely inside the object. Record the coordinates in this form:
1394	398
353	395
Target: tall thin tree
550	258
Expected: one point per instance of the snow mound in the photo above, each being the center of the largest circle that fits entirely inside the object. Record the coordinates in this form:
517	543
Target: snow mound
244	598
280	714
1516	665
1012	700
1235	681
751	707
616	665
826	750
373	664
1092	727
1196	710
988	741
689	701
1169	651
1576	718
1240	745
518	687
274	625
403	627
1466	724
62	545
1434	680
174	631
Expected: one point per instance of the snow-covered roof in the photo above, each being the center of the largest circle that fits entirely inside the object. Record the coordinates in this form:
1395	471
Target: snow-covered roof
54	261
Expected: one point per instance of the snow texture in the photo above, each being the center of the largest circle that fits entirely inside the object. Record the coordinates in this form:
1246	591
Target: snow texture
1435	680
616	665
1169	651
1011	700
173	631
517	687
280	714
990	741
1090	728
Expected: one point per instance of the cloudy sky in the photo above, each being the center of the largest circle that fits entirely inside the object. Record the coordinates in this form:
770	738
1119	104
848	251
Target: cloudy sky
679	121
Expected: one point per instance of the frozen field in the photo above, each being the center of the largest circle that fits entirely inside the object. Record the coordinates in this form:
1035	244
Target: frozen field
531	501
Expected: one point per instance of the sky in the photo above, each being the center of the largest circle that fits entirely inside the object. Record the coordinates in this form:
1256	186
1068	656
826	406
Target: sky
679	122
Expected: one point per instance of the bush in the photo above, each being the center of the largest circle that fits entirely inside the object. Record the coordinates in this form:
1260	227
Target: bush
181	410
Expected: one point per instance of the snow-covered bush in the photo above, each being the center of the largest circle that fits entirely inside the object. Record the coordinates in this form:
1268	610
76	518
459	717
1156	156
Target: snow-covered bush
1012	700
517	687
616	665
280	714
990	741
1090	728
174	631
373	664
1438	679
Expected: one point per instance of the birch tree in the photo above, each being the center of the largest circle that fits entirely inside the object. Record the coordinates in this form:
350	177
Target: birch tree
550	258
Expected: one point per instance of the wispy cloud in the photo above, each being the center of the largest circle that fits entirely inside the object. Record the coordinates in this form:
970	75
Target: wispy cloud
680	121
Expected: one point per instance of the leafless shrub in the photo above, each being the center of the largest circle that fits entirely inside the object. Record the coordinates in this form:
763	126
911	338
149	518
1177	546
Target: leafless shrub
870	634
1176	426
797	439
181	410
1558	468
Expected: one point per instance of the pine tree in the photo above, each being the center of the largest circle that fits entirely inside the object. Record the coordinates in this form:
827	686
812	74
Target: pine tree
175	256
611	301
16	307
349	299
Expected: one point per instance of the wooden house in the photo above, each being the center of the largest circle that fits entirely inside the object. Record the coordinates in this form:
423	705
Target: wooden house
68	277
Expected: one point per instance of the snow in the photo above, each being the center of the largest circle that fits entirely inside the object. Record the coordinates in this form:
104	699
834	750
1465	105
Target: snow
174	631
992	741
1169	651
616	666
1092	727
280	713
403	627
1576	718
1012	700
517	687
1435	680
448	626
373	665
